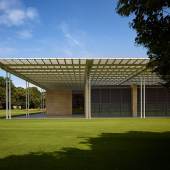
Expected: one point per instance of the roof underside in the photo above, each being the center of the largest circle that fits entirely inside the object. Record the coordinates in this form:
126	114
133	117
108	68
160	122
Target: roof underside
70	73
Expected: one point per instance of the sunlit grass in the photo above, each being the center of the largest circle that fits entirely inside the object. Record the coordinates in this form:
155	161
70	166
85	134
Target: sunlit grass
16	112
77	143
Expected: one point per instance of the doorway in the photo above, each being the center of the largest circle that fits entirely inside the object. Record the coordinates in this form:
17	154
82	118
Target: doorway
77	103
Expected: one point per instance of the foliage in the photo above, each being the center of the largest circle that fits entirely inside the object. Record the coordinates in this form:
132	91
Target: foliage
3	92
34	97
151	20
18	95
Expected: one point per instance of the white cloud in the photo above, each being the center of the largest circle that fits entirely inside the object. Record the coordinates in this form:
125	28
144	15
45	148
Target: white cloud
14	17
8	4
25	34
32	13
6	50
72	40
75	41
12	13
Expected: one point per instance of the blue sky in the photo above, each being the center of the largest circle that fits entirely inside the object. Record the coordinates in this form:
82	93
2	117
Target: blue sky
65	28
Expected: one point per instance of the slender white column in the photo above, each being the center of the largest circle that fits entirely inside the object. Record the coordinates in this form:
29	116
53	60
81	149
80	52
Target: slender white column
89	96
144	98
86	104
44	100
141	99
134	96
41	101
28	100
9	96
6	95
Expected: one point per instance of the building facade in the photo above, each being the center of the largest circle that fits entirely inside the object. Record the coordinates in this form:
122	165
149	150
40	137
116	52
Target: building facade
107	87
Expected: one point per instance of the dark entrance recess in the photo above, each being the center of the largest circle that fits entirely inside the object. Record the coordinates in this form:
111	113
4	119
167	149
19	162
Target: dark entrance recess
111	102
78	103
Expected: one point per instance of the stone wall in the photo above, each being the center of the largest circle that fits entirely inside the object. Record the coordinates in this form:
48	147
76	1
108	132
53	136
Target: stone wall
59	102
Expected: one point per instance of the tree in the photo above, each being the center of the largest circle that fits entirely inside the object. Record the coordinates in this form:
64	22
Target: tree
3	92
151	20
18	97
35	97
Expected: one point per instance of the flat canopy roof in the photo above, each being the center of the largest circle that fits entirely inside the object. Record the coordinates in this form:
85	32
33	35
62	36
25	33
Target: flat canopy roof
51	73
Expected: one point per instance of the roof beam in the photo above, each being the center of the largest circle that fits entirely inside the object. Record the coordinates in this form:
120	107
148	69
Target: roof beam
115	64
133	75
4	67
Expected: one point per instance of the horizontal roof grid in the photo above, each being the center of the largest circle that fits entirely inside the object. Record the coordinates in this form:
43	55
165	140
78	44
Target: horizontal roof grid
61	72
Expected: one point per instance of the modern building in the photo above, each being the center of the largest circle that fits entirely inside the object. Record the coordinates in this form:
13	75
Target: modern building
106	87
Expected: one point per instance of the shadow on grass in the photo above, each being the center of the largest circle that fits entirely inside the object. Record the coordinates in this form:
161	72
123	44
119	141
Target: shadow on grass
110	151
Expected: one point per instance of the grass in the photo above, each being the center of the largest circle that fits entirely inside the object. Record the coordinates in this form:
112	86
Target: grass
16	112
75	144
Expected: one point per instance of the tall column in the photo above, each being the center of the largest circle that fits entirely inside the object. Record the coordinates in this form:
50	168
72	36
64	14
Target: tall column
8	95
89	92
87	95
86	104
42	100
144	98
27	100
134	99
141	99
7	104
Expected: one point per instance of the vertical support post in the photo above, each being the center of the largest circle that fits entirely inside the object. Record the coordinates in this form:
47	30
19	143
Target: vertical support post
41	99
88	90
28	100
7	109
27	104
86	104
9	81
44	100
141	99
8	95
134	91
89	96
144	98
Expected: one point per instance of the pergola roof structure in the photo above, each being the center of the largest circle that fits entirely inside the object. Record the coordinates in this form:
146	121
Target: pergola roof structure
51	73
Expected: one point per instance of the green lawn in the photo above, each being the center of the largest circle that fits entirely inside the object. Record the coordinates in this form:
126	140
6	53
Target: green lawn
79	144
19	112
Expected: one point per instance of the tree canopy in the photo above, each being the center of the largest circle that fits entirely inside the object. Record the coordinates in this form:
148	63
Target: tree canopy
18	95
151	20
